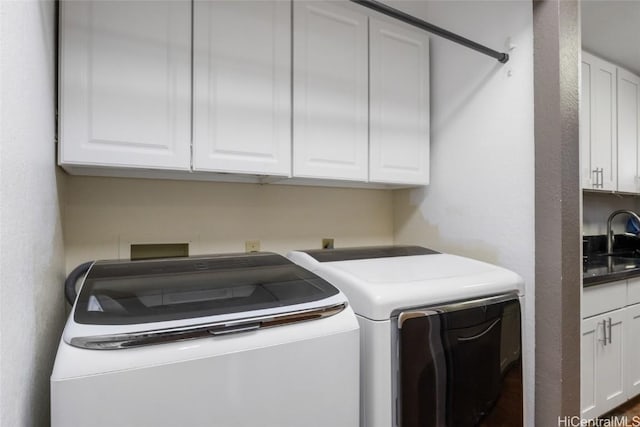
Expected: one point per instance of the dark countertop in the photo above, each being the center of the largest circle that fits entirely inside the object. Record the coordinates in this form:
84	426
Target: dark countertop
598	270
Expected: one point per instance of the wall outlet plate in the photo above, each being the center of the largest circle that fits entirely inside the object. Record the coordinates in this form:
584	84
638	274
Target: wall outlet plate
327	243
252	246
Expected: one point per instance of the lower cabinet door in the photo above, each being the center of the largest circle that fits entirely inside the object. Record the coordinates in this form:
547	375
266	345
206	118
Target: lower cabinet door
589	341
632	351
602	372
610	380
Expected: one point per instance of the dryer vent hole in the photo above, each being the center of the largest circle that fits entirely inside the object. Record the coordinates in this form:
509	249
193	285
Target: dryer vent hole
327	243
159	250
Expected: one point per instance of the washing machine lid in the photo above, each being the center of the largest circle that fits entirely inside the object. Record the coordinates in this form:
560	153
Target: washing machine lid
221	293
379	281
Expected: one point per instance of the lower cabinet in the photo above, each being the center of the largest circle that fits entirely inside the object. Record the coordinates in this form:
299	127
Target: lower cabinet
632	350
610	353
602	370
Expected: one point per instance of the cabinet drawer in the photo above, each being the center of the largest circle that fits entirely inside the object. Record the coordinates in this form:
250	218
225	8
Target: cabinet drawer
633	291
603	298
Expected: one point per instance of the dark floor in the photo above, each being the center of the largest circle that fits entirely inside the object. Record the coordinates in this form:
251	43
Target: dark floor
630	410
508	409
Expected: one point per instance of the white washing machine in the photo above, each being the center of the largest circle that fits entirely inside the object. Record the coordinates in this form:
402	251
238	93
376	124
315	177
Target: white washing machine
440	335
227	341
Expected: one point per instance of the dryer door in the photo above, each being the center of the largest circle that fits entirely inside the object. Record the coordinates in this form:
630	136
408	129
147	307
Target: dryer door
460	365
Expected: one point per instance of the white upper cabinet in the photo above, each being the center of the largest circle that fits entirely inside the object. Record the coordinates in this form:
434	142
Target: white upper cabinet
587	176
399	103
598	115
330	91
125	84
256	90
628	138
242	87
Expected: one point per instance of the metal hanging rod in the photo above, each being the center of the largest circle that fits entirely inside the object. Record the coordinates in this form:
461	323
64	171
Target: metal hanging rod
416	22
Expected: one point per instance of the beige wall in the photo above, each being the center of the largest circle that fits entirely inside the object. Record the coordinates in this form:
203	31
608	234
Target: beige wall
104	215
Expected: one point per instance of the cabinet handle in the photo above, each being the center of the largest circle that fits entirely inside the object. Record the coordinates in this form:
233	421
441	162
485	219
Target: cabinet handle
604	332
599	177
609	330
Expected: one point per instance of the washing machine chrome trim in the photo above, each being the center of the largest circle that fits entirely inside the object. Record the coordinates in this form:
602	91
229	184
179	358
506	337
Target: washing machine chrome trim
159	336
409	313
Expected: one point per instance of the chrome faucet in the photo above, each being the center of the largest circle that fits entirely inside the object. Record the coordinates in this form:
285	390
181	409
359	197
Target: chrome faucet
610	231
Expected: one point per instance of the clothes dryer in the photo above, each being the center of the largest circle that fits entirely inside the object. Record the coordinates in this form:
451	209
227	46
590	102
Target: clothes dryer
440	335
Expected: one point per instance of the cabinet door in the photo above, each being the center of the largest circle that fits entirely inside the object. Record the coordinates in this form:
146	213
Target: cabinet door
399	104
587	174
602	129
125	84
602	372
610	381
330	99
592	334
628	138
242	86
632	351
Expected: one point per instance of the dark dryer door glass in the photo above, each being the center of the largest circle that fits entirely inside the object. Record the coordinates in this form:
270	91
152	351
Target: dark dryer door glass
461	365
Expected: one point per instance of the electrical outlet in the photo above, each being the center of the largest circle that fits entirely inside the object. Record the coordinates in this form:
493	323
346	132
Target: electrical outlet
327	243
252	246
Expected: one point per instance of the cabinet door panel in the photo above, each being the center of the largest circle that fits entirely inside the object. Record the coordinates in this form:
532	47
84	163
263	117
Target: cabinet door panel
586	165
242	86
628	138
125	83
632	351
602	373
589	343
399	104
604	298
603	122
610	380
330	99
